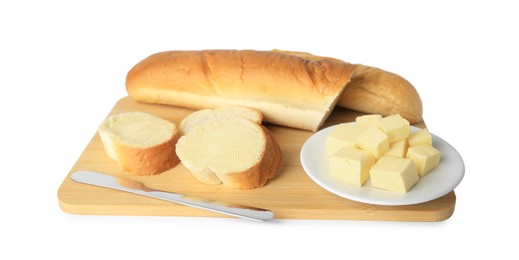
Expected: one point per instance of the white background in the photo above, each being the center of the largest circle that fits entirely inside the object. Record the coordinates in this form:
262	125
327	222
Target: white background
63	66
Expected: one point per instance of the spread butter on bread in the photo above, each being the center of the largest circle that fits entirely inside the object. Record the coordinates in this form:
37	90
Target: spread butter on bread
141	143
227	147
219	113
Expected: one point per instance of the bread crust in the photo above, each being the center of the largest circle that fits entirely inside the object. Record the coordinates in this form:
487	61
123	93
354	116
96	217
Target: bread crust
148	161
227	72
376	91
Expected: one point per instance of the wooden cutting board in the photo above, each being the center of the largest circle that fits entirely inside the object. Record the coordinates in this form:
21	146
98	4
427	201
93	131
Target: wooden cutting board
291	195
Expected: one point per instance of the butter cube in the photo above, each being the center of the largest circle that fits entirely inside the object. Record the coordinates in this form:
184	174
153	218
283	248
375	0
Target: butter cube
394	174
425	157
351	165
344	135
395	126
398	149
374	141
368	120
422	137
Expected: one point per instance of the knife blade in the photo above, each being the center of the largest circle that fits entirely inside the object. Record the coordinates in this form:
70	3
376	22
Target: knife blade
136	187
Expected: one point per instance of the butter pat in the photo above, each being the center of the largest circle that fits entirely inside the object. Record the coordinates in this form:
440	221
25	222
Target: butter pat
374	141
368	120
344	135
396	127
394	174
422	137
351	165
425	157
398	149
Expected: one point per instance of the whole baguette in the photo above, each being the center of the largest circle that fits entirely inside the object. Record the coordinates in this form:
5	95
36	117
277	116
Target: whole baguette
294	89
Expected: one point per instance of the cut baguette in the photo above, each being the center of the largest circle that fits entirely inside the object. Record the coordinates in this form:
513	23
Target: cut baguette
288	90
235	151
141	143
219	113
375	91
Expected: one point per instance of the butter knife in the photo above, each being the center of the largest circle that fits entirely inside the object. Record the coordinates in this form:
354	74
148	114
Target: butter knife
132	186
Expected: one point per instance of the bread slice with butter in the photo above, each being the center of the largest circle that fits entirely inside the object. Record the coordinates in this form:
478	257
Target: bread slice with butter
219	113
232	150
141	143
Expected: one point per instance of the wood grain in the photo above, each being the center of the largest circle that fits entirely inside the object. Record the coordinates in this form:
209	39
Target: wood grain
291	195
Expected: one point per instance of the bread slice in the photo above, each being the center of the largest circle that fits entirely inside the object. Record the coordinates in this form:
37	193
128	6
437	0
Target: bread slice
141	143
219	113
235	151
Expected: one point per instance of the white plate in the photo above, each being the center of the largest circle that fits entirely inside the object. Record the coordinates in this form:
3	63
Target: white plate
435	184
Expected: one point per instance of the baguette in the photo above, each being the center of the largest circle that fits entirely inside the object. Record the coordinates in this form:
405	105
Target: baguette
287	89
293	89
375	91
